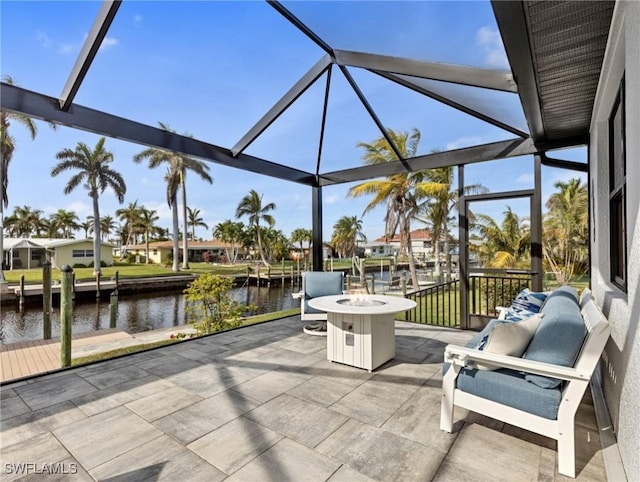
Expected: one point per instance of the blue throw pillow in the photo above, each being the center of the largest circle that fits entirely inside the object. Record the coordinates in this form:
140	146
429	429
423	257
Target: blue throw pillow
528	300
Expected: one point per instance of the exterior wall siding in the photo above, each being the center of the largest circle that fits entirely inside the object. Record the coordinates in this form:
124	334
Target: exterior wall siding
621	373
64	255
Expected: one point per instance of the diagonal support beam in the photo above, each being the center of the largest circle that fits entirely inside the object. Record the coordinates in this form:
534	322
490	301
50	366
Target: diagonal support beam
512	24
301	26
468	155
39	106
452	103
89	50
299	88
457	74
373	115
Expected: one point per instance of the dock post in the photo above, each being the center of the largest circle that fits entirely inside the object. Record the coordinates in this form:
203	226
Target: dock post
117	276
373	284
73	286
66	315
98	285
268	275
348	282
21	291
404	283
113	309
46	300
248	276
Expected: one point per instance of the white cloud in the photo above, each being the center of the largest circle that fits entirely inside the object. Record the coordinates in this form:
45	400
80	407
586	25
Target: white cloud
67	48
81	209
44	40
162	209
109	42
464	142
525	179
490	41
332	199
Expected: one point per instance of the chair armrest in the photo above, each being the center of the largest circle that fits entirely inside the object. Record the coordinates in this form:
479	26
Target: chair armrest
501	311
297	295
467	357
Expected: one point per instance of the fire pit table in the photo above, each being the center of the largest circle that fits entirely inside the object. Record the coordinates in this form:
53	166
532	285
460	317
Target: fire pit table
360	328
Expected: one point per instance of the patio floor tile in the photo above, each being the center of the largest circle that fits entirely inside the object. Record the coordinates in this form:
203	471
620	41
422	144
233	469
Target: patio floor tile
234	444
299	420
270	385
53	390
157	405
476	444
12	406
194	421
161	459
287	461
117	375
168	365
102	437
40	421
39	449
114	396
207	380
381	455
374	401
347	474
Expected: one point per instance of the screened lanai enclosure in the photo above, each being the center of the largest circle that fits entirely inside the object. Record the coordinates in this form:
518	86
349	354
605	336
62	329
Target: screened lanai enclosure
322	81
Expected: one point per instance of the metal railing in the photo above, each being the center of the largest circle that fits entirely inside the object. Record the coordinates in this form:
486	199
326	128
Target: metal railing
436	305
440	304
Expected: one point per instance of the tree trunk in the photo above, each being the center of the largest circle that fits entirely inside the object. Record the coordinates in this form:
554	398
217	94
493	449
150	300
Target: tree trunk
176	244
185	242
406	230
97	245
260	246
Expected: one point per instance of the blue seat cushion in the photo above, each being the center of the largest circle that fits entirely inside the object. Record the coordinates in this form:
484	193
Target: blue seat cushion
320	283
560	335
510	388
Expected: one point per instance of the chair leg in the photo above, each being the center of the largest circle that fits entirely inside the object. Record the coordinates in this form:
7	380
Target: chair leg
567	449
446	404
317	329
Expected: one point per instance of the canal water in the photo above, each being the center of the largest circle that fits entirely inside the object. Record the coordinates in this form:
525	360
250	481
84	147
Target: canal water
136	312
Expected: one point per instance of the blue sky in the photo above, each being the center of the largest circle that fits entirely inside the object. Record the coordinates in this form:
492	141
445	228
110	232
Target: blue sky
212	69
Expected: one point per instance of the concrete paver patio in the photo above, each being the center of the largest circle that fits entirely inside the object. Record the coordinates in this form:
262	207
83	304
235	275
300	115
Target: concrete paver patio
263	403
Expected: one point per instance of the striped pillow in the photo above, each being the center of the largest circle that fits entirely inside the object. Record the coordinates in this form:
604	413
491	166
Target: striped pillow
530	301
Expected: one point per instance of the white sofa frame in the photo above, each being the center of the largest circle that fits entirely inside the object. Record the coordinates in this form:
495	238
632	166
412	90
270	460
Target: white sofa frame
578	377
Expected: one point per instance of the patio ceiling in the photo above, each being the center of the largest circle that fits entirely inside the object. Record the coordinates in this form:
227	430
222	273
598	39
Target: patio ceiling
553	48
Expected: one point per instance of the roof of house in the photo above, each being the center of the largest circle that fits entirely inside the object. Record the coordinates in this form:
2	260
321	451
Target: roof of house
211	244
10	243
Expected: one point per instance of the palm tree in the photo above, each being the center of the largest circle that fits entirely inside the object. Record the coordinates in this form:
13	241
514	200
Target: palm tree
397	191
7	147
347	232
301	236
26	221
195	221
566	229
130	216
506	245
251	206
107	225
96	175
146	223
87	226
231	234
66	221
443	200
178	164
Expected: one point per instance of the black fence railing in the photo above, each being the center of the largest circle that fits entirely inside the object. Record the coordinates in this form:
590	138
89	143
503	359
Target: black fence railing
436	305
440	304
488	291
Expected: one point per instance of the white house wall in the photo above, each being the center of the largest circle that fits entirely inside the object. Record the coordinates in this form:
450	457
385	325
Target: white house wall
621	377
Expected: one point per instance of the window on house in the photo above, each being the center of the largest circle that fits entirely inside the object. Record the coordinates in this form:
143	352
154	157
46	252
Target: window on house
617	192
82	253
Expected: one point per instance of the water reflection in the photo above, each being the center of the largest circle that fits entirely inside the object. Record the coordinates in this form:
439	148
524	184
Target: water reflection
136	313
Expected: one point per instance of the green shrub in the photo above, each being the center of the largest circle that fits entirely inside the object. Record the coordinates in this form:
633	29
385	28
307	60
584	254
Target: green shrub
209	306
82	265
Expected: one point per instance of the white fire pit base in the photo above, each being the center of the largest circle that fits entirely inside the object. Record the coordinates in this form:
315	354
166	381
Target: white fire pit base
361	335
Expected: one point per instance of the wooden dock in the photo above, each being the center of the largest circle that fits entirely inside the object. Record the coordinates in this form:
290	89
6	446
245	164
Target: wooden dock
27	358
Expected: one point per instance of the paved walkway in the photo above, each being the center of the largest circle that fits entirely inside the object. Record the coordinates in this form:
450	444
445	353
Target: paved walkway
262	403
